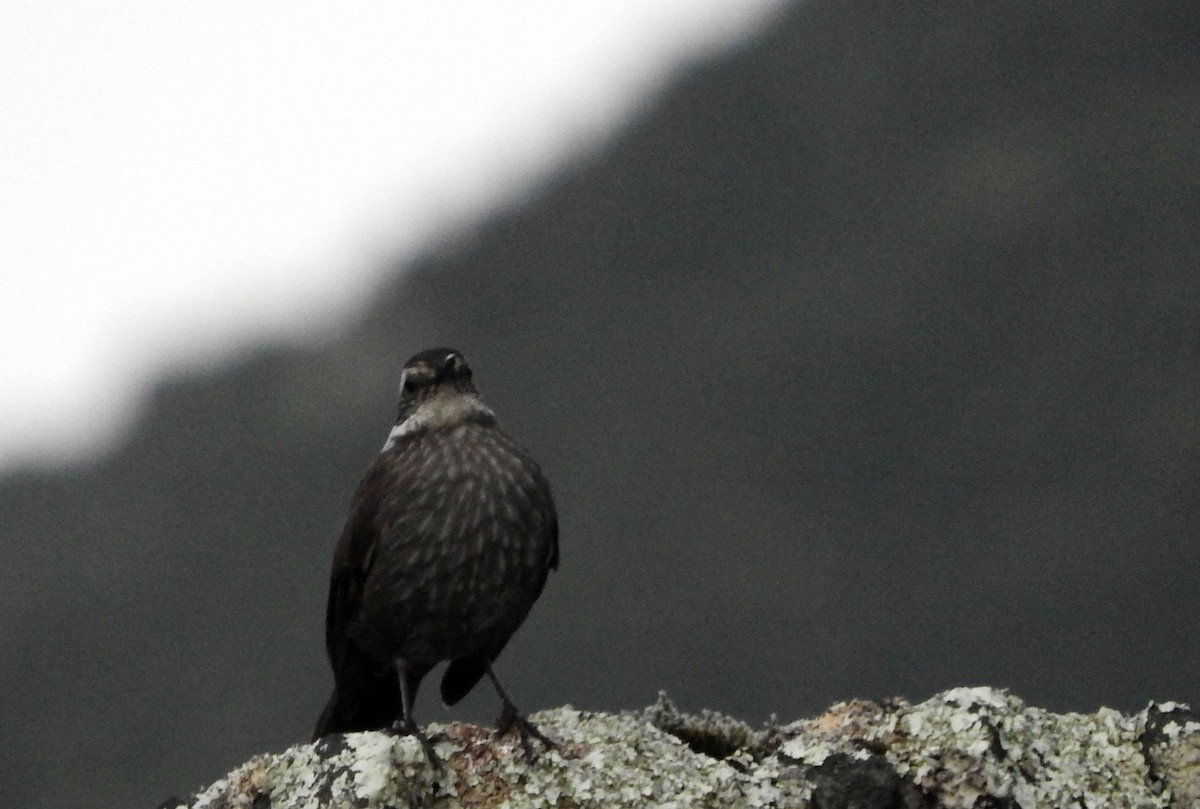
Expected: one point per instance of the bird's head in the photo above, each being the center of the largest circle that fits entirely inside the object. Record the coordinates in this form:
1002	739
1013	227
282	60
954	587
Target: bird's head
436	390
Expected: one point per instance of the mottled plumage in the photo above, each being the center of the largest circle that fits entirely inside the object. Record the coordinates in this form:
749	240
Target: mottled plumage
450	537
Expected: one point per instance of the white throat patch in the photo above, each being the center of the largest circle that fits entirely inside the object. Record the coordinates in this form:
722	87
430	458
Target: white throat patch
438	412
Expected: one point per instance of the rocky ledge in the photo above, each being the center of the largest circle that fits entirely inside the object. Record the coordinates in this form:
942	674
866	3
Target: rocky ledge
967	747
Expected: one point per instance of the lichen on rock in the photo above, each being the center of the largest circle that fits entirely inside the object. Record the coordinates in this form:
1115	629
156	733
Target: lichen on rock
967	747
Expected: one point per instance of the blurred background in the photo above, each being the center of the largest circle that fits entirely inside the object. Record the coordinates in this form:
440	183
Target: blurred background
860	342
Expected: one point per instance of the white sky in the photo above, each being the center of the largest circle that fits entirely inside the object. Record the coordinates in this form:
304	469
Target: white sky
179	179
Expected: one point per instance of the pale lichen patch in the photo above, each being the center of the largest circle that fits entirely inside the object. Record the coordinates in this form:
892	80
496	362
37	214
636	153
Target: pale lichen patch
967	743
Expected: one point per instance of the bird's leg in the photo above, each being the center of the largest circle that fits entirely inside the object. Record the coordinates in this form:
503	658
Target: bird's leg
511	717
405	726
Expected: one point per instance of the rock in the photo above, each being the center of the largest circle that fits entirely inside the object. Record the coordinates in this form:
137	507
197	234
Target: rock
967	747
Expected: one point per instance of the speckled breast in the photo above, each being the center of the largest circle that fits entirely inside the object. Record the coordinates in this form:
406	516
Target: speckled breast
464	545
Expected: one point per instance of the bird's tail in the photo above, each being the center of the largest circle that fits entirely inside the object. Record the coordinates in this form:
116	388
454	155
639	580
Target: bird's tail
328	722
370	704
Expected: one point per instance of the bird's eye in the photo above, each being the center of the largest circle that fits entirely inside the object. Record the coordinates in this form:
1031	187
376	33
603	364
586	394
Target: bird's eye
407	383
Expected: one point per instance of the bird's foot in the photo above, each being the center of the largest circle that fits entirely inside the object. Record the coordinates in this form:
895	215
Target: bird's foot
511	718
407	727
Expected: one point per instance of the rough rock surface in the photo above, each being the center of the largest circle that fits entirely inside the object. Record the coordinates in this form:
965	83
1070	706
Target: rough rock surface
967	747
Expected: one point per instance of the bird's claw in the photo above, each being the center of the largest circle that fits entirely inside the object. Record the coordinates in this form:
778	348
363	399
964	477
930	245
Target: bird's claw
511	718
407	727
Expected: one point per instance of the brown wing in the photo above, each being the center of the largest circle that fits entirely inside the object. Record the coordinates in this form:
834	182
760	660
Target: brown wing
366	692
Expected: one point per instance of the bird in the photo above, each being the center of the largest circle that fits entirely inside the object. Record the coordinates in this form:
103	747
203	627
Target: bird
450	538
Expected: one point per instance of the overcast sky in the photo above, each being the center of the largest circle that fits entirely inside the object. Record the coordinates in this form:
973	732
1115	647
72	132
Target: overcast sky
178	180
